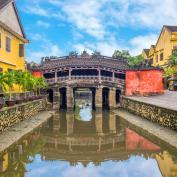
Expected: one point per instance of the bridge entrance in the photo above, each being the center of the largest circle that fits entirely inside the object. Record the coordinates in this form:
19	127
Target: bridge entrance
83	97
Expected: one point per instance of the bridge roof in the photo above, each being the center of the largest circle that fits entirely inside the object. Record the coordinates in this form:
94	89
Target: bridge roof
84	61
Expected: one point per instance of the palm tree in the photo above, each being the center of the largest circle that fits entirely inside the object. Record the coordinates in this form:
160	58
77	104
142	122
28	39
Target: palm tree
19	79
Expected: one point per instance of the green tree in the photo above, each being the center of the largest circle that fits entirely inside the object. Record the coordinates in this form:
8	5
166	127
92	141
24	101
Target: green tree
9	82
121	54
173	59
73	54
41	83
135	61
2	82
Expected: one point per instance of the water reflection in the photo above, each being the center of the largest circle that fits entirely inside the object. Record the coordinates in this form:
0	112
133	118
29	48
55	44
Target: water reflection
102	146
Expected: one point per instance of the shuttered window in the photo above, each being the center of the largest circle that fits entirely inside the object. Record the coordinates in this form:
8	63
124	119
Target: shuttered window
8	44
161	57
21	50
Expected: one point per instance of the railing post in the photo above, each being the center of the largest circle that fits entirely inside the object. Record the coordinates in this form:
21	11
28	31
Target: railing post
70	74
113	76
99	71
55	76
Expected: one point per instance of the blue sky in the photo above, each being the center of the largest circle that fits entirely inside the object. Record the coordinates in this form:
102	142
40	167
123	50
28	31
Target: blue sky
55	27
136	166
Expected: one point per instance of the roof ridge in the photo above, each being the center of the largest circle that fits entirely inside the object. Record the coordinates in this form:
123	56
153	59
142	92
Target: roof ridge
3	3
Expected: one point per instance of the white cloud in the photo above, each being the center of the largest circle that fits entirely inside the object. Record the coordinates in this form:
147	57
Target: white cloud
98	18
47	48
43	24
50	50
106	47
138	43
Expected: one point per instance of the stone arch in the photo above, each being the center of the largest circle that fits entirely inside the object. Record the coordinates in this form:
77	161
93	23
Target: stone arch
50	94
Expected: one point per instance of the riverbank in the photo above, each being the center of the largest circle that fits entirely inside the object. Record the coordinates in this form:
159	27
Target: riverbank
163	133
16	132
161	109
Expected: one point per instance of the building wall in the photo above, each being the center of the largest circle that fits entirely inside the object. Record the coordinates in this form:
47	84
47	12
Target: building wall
164	45
37	73
166	42
144	82
8	16
11	60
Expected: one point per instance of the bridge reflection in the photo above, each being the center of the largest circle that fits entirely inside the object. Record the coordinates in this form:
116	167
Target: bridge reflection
103	138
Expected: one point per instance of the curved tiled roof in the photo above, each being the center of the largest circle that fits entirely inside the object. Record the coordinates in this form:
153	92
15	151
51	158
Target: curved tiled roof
88	61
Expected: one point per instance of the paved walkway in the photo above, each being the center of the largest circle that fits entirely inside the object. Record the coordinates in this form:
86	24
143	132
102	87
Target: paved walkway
168	100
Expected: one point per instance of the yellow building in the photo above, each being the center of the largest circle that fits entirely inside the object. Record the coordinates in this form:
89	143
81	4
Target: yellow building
12	38
166	44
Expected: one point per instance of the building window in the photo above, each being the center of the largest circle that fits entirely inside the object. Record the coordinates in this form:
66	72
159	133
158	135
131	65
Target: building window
157	58
8	44
161	57
21	50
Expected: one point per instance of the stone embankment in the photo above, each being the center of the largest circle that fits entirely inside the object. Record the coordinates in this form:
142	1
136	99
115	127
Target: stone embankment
18	131
156	113
12	115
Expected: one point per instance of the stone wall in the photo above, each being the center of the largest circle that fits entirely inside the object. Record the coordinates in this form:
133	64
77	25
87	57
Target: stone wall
12	115
162	116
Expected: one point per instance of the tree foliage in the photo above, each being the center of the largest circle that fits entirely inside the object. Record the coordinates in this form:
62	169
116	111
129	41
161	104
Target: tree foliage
24	80
172	65
121	54
135	61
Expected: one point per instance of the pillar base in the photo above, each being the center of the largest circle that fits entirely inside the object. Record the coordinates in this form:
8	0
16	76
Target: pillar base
70	109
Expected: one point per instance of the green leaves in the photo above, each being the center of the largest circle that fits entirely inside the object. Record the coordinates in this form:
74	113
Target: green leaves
121	54
24	80
135	61
172	65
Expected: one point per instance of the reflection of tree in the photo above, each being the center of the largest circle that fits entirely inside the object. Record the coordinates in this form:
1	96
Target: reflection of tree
17	168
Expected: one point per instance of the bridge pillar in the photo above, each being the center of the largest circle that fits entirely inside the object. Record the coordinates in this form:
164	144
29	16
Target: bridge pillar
99	123
56	98
70	123
112	123
112	98
56	123
98	99
70	99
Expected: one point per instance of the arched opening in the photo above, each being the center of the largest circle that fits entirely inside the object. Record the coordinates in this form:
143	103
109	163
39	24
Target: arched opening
105	96
50	95
63	98
118	96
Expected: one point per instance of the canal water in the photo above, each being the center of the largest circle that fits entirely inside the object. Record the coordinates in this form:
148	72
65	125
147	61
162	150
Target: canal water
88	144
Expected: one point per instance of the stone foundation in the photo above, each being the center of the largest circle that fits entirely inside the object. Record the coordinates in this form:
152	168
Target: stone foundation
12	115
160	115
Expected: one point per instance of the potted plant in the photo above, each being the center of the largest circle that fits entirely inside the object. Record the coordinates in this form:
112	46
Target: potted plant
10	81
